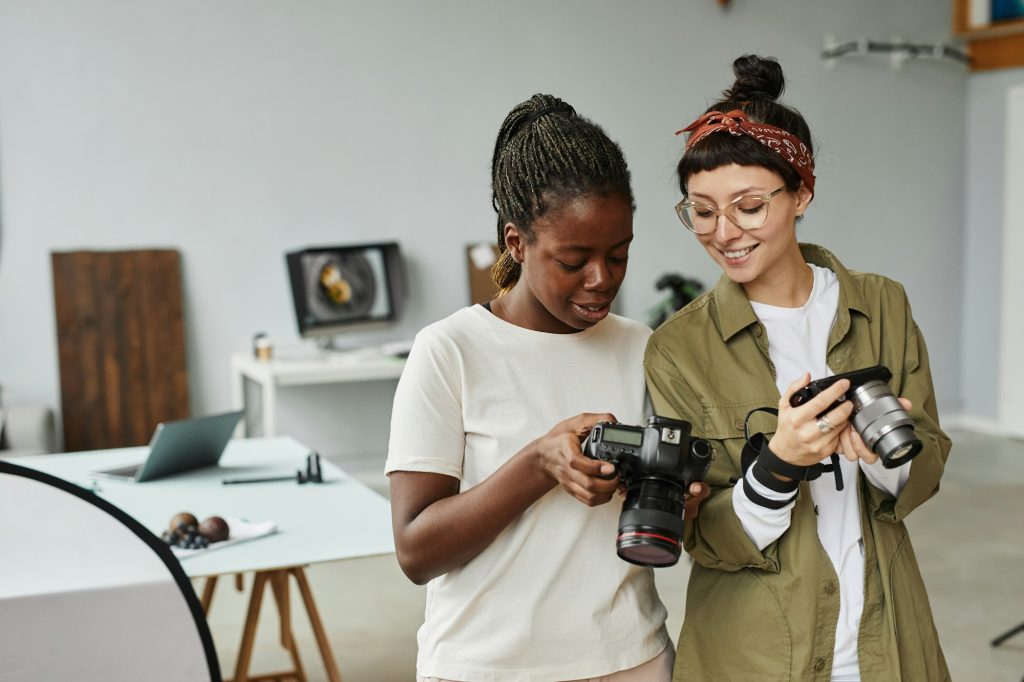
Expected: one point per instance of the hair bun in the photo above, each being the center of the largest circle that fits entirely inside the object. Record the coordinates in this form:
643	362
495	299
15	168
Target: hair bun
527	112
542	105
756	78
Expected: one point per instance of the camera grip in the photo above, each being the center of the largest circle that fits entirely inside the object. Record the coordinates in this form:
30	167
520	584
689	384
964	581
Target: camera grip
588	451
856	377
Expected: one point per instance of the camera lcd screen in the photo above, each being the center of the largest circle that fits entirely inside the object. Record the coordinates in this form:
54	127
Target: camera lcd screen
623	436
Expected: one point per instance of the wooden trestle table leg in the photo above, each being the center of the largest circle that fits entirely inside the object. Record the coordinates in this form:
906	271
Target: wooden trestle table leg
279	586
318	627
279	583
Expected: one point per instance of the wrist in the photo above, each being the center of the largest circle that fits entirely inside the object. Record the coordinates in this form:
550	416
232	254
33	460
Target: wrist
536	465
762	471
780	469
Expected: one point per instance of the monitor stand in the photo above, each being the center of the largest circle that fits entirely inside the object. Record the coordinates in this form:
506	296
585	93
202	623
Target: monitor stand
329	348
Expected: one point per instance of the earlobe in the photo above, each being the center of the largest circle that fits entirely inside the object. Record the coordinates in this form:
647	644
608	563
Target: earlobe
803	199
514	242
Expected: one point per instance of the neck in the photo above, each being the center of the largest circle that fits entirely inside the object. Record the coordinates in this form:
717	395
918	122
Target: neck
519	308
788	285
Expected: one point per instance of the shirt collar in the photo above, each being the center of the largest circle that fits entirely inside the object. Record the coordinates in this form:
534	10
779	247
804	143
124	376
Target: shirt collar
736	314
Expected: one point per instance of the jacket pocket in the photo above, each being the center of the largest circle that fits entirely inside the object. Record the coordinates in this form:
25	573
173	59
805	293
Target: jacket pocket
917	641
723	423
735	629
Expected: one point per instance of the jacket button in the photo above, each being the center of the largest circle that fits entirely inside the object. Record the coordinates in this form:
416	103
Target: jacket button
738	424
819	665
830	587
758	330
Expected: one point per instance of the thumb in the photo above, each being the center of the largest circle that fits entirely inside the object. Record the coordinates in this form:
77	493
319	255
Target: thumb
795	386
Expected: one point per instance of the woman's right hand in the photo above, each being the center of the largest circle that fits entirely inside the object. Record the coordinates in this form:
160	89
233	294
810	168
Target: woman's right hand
798	438
559	456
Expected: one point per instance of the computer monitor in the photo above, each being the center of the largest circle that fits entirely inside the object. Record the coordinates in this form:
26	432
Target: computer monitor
338	289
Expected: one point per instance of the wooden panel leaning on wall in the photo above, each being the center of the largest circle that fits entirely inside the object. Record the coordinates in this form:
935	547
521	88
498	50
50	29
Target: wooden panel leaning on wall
121	344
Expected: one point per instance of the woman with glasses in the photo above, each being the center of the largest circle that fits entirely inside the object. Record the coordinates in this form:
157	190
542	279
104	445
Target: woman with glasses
798	574
493	502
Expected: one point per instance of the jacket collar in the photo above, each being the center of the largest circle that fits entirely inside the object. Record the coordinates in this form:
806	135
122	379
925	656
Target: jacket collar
734	310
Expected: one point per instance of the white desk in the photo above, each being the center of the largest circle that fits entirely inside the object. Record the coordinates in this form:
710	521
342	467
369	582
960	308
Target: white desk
327	369
338	519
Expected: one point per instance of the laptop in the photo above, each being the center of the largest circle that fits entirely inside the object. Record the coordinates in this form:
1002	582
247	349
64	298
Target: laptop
181	446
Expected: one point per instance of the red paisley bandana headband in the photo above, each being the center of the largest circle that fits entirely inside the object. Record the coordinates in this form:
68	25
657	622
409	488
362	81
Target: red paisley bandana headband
778	140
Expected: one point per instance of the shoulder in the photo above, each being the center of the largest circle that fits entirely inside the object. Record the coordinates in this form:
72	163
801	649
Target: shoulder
867	290
465	323
884	299
873	283
692	322
625	329
690	338
445	341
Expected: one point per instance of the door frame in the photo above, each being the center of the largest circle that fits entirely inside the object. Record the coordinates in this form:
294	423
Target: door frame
1011	356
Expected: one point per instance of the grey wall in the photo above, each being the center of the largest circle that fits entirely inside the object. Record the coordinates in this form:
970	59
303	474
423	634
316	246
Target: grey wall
240	129
983	239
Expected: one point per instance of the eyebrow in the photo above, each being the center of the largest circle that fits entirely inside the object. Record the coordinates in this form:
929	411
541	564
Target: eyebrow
574	247
746	190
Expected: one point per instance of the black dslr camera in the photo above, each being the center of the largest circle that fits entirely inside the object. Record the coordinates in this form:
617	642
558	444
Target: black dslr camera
657	463
877	415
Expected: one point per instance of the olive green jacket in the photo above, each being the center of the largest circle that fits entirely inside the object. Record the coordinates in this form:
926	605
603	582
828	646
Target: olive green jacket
771	614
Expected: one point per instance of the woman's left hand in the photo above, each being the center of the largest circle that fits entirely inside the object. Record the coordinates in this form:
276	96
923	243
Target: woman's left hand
853	447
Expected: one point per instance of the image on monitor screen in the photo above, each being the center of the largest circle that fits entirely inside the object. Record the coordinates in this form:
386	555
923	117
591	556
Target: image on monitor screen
343	288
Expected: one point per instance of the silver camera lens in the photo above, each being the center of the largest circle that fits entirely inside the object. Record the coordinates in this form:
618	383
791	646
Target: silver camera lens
883	423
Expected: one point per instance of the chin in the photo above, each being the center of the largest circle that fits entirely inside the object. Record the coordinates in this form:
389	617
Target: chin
578	324
739	275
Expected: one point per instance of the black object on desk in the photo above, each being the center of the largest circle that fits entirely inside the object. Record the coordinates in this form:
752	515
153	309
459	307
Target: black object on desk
312	474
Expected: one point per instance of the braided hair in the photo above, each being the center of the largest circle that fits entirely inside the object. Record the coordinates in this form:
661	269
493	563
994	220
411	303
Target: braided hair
547	154
759	84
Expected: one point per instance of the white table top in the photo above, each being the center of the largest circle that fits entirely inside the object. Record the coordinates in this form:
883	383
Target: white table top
338	519
327	368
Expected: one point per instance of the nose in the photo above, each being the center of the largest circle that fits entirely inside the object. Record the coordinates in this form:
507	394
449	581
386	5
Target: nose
725	229
599	276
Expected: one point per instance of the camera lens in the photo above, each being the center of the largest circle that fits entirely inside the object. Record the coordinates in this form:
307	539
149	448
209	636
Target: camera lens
651	523
883	424
902	451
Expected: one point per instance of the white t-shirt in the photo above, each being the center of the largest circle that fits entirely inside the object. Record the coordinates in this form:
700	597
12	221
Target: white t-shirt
548	599
798	343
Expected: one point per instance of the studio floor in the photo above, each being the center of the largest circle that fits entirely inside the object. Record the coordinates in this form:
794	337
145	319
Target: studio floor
969	541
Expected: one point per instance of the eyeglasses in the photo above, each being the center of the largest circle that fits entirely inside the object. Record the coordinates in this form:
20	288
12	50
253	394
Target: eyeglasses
747	212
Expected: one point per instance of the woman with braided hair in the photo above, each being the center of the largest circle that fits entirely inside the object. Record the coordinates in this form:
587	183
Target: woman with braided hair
797	575
499	510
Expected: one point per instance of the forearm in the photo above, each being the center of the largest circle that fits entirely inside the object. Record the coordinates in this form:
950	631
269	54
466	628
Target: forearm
764	510
454	529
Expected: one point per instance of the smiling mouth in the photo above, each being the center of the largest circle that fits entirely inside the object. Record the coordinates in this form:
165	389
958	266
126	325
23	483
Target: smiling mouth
737	253
592	312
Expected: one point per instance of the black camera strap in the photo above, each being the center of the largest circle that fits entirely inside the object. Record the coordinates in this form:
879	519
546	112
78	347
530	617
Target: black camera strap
755	448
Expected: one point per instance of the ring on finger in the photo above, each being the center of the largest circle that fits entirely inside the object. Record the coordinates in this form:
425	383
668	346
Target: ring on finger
824	425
